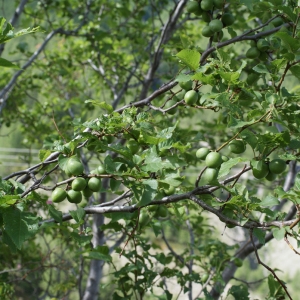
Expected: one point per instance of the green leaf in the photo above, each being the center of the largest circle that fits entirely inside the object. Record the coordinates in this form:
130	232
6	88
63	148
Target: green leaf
226	166
43	154
8	200
290	43
102	105
295	70
78	214
7	64
190	58
149	192
260	234
239	292
261	68
55	214
269	201
278	233
19	225
99	253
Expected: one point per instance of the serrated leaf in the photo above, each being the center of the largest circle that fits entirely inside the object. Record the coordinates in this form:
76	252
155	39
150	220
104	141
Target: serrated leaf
78	214
190	58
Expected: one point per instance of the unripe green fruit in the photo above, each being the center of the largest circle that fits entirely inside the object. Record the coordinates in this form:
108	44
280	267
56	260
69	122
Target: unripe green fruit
207	4
194	7
78	184
191	97
213	160
87	193
58	195
237	147
161	212
262	45
206	16
218	36
215	25
204	277
224	158
74	196
94	184
186	85
100	170
170	191
277	22
218	3
210	175
169	104
252	53
202	153
277	166
228	19
271	176
261	171
133	146
74	166
144	219
206	31
252	78
238	262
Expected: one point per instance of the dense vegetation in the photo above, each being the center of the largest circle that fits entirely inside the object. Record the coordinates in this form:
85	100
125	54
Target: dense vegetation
162	126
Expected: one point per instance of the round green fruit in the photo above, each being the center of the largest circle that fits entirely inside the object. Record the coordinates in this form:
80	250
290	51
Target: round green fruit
186	85
170	191
94	184
191	97
213	160
204	277
161	212
224	158
261	171
218	36
262	45
133	146
78	184
100	170
202	153
238	262
237	147
252	78
218	3
207	4
206	31
215	25
252	53
228	19
271	176
74	166
87	193
277	22
210	175
169	104
206	16
74	196
144	219
277	166
58	195
194	7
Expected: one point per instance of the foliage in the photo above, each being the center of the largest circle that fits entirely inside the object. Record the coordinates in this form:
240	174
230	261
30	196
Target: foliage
119	96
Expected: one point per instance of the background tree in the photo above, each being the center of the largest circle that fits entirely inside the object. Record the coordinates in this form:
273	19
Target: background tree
154	119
